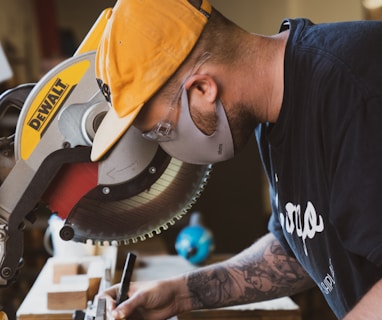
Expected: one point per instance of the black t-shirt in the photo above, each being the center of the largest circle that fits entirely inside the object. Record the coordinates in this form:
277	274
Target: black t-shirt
323	156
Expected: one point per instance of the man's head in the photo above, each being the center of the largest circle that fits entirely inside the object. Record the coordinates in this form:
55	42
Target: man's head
144	43
175	99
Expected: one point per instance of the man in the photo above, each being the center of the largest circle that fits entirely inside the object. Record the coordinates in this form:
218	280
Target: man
200	86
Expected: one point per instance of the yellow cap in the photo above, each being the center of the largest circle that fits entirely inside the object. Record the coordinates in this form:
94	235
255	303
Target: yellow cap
3	315
144	43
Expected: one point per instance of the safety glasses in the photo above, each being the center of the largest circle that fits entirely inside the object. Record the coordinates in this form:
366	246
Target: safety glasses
164	130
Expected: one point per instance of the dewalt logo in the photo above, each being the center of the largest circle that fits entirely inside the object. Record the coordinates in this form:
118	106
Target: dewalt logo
54	98
50	98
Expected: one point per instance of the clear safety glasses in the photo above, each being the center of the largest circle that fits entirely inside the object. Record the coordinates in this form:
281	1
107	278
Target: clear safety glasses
164	130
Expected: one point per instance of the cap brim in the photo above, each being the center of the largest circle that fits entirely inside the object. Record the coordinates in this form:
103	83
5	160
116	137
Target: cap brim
110	131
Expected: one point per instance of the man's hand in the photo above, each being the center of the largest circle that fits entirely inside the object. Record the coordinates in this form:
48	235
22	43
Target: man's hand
148	300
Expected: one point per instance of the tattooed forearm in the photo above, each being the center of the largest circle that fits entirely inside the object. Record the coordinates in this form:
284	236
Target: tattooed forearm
269	272
261	272
210	289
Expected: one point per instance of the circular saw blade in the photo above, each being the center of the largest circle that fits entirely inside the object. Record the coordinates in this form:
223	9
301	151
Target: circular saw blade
141	215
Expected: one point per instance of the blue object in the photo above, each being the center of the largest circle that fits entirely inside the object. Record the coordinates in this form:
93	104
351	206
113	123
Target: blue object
194	242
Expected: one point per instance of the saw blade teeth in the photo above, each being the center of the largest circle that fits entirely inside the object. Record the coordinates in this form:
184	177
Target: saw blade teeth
178	216
142	237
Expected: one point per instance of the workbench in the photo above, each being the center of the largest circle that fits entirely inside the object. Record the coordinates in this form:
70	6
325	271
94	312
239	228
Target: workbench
35	305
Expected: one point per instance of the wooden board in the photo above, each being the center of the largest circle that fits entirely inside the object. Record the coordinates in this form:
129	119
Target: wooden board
48	294
68	296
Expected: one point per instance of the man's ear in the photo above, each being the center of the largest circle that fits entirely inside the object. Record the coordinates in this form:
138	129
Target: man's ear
202	87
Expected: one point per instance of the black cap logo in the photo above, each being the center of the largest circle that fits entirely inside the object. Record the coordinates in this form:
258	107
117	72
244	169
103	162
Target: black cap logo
105	89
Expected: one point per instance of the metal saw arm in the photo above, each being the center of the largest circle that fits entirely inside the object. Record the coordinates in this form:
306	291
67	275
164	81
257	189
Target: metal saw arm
46	139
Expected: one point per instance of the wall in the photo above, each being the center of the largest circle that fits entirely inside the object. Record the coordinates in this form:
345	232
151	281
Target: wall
261	16
80	15
18	38
264	16
18	25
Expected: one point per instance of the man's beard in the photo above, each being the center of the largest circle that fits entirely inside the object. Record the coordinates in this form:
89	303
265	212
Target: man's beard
242	125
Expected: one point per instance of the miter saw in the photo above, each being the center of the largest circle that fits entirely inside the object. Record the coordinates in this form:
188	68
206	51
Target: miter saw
134	192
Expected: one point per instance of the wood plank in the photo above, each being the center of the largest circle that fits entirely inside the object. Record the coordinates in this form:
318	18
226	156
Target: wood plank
35	305
242	314
95	273
64	269
68	296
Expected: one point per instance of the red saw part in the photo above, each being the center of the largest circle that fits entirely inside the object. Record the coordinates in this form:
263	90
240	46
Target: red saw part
69	186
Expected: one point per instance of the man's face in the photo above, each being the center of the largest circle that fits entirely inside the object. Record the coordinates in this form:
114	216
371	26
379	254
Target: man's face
153	111
189	128
160	109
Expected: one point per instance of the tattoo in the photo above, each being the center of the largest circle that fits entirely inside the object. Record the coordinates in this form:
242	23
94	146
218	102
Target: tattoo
209	290
273	275
259	273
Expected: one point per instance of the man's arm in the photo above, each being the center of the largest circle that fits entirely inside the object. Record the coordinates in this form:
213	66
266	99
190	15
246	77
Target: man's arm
262	272
370	306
